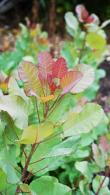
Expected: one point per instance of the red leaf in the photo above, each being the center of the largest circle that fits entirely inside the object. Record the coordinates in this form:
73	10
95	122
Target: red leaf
45	65
90	19
51	84
59	68
70	79
53	87
83	14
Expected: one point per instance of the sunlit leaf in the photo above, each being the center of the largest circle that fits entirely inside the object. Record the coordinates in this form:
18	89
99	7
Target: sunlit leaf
70	80
87	79
16	108
36	133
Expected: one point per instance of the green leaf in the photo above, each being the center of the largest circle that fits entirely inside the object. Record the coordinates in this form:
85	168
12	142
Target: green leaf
12	177
3	180
8	163
16	108
10	132
89	117
44	164
66	103
49	185
59	152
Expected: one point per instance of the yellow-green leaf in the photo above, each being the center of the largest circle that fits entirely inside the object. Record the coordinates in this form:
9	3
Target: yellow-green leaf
96	41
47	98
36	133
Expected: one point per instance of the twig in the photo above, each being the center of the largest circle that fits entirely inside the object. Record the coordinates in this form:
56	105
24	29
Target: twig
37	161
54	102
41	169
25	153
27	162
101	184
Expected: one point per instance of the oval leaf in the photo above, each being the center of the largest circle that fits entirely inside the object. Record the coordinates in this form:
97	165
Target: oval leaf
59	68
45	65
70	80
29	74
84	121
54	187
86	80
71	21
36	133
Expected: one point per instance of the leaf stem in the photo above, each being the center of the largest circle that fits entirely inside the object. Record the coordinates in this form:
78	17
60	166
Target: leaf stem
37	111
82	49
54	105
37	161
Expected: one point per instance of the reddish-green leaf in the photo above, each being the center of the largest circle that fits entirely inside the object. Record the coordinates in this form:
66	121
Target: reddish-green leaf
29	74
70	80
